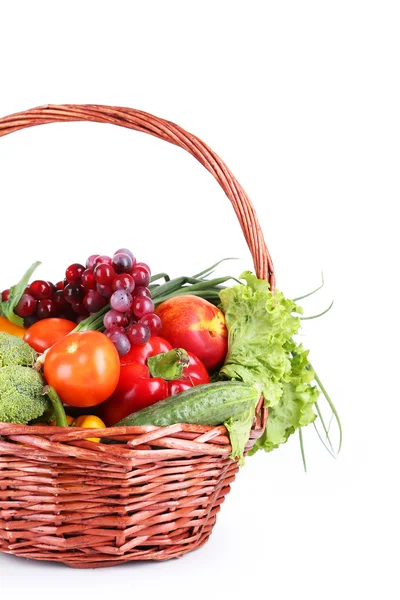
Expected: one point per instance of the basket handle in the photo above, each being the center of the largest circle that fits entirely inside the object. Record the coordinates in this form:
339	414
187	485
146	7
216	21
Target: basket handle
168	131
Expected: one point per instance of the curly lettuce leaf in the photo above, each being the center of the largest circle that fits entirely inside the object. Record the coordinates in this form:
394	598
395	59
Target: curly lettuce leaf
261	326
295	407
239	432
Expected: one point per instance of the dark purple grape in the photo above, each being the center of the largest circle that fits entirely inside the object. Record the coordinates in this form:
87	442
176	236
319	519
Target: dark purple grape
73	292
46	308
28	321
122	263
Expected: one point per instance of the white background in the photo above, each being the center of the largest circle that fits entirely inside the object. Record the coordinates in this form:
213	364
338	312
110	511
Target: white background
301	99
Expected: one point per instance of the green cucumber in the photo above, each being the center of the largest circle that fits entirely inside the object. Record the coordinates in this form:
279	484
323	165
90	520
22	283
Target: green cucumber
208	404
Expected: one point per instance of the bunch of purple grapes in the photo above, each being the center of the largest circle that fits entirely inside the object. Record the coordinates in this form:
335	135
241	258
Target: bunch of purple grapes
119	280
122	282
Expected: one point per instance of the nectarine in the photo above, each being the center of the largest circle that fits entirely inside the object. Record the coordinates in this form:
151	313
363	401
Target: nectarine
192	323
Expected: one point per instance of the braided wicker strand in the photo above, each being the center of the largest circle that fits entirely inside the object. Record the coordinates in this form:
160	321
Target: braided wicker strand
170	132
156	494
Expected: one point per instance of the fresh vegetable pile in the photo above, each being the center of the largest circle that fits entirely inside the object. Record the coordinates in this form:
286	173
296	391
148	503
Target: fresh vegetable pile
143	350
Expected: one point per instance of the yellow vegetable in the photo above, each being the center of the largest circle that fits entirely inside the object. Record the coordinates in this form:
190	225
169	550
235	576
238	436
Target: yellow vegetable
11	328
70	421
90	422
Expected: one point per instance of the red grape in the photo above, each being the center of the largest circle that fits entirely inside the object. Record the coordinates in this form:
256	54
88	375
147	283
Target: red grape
126	251
121	301
4	295
102	259
122	263
26	306
28	321
93	301
124	281
138	334
88	280
79	307
143	265
74	272
73	292
115	328
153	322
59	300
104	290
90	261
59	285
141	291
104	274
113	317
142	306
40	289
120	341
141	276
45	308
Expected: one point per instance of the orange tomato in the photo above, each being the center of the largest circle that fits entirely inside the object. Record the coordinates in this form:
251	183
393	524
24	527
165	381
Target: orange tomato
83	368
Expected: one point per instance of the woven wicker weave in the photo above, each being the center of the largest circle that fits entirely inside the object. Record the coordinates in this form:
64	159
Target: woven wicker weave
154	497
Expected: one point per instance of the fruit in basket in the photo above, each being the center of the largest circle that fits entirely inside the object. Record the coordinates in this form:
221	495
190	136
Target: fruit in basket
43	334
89	422
197	325
83	367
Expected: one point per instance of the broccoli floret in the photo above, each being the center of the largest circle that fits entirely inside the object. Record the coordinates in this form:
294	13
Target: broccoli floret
14	351
21	395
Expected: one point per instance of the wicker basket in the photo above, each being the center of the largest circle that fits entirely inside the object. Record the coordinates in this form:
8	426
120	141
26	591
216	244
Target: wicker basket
154	497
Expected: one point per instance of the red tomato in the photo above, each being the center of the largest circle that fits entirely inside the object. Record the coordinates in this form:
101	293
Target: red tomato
140	354
43	334
83	368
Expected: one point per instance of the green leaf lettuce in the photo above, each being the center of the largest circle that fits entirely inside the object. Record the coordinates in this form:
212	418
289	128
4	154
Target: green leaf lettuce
261	326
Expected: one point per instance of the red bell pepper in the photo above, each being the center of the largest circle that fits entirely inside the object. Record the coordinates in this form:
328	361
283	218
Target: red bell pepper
149	373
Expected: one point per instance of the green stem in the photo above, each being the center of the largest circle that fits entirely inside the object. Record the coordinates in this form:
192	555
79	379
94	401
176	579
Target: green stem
319	315
303	456
323	426
94	322
332	407
168	365
311	293
210	270
61	419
